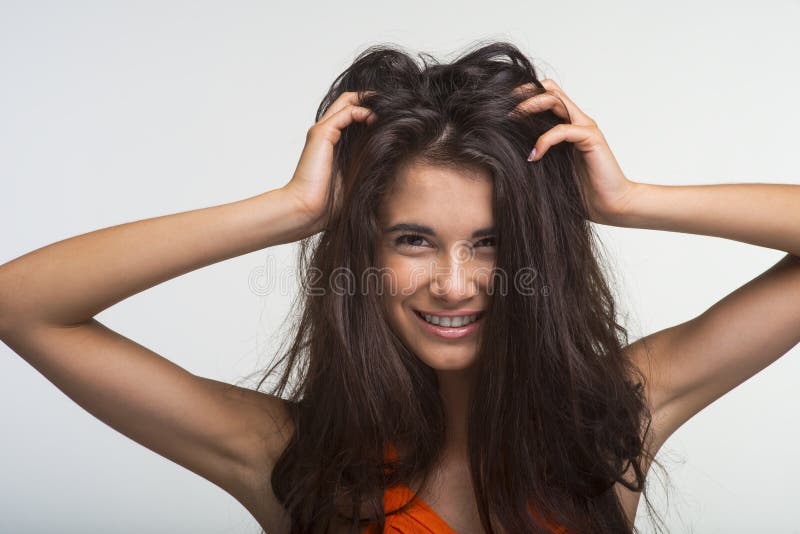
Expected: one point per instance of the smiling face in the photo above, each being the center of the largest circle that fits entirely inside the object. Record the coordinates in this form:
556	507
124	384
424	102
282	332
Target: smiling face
438	246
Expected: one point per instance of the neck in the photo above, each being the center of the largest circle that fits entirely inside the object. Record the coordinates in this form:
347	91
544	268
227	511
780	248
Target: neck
454	389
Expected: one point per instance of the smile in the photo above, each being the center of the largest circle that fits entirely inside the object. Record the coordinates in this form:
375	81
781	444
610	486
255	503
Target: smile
453	321
450	326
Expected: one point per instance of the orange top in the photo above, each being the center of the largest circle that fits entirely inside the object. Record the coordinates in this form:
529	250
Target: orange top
419	517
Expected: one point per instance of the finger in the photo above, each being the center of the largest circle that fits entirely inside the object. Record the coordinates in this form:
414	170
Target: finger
578	116
344	99
543	102
333	125
583	137
529	87
554	100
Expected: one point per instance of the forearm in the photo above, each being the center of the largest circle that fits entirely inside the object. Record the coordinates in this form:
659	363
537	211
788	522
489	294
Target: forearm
70	281
766	215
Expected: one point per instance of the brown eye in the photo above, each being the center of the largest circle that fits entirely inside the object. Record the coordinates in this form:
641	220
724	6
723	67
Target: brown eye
487	242
411	240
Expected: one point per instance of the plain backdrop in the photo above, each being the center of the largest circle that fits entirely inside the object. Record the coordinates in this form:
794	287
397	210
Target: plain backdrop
112	112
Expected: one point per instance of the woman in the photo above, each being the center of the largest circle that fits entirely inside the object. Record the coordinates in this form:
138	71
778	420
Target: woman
415	203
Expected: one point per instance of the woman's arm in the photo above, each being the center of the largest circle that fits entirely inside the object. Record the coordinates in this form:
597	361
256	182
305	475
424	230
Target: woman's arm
227	434
224	433
691	364
70	281
767	215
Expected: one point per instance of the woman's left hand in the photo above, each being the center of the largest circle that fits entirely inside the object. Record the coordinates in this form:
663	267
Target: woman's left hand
606	189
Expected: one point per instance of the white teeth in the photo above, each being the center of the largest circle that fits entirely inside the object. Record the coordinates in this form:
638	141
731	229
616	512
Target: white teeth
450	321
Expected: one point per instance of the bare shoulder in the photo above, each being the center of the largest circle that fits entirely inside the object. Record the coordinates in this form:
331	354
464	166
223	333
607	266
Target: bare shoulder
266	419
660	428
691	364
269	428
227	434
640	354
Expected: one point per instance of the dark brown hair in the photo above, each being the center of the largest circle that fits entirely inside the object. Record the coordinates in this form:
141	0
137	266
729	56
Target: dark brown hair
557	413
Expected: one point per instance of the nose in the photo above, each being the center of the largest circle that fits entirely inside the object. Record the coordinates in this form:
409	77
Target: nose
451	280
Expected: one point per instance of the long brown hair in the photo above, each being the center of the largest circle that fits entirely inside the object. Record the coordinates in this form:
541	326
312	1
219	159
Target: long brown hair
557	413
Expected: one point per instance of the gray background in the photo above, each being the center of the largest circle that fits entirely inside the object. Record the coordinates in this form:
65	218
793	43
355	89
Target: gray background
112	112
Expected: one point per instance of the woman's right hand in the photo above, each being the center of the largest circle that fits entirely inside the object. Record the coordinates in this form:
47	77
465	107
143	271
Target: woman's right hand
312	177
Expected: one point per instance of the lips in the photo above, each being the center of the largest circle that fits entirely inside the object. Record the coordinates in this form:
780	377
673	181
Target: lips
450	313
450	332
449	317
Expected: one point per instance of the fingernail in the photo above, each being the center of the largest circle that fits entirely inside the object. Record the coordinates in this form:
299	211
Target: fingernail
532	155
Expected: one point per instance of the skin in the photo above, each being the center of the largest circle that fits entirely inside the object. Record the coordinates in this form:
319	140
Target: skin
695	362
49	297
430	273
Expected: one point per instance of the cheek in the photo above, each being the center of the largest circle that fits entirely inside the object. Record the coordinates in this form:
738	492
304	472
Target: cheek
402	277
484	275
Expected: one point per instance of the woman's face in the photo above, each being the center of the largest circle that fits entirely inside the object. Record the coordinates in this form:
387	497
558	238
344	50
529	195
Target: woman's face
436	256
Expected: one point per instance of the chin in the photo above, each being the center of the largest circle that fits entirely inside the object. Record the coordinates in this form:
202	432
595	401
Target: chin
452	363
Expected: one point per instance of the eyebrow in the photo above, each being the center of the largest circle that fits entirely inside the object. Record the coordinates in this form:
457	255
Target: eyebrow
427	230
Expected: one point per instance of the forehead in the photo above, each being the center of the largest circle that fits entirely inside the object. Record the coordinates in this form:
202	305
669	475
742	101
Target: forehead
427	193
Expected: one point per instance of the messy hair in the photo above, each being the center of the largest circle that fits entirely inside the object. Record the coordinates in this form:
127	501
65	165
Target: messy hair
558	415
